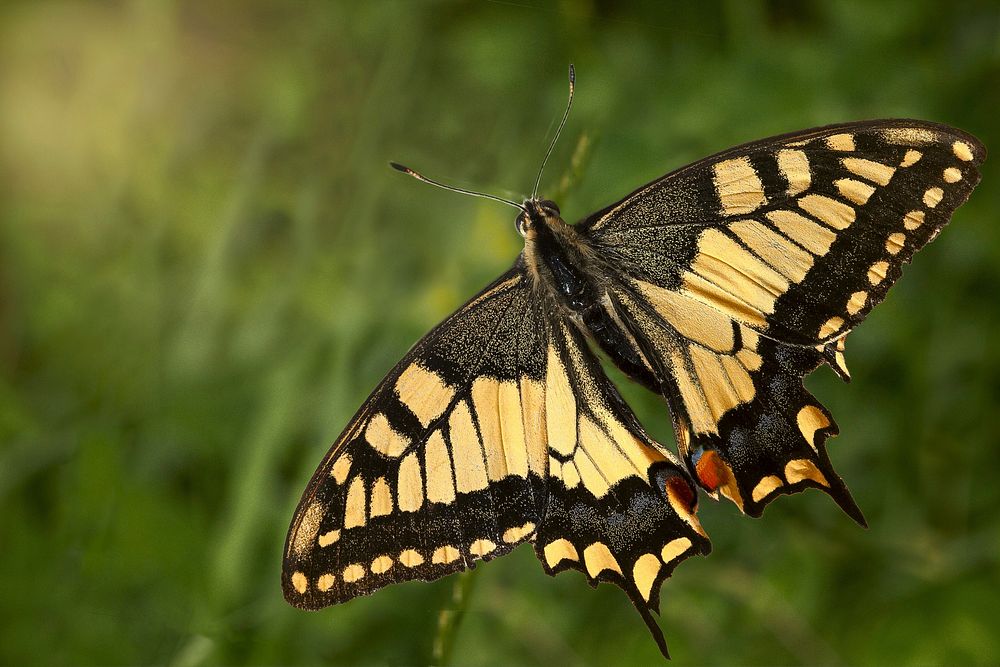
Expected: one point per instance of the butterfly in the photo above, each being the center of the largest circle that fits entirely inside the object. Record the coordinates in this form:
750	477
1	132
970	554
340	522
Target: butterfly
718	286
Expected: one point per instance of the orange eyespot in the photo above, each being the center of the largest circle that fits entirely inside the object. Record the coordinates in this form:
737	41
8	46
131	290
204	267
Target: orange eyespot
711	469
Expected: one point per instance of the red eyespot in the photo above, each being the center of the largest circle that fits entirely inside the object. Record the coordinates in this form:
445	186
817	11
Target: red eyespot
679	491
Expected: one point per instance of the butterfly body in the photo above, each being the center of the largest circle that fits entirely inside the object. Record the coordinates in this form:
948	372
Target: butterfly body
718	286
566	271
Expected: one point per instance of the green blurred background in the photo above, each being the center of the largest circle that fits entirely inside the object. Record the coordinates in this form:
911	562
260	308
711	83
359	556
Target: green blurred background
206	264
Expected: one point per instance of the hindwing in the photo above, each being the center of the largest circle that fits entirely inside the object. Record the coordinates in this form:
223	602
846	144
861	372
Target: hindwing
745	424
743	272
620	506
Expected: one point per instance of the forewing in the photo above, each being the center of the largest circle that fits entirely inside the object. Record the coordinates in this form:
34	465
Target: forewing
780	247
445	463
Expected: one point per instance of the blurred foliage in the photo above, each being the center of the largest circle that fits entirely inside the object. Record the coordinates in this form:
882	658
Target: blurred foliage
206	264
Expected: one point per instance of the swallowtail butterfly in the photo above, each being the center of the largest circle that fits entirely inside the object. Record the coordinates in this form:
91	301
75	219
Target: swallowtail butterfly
718	286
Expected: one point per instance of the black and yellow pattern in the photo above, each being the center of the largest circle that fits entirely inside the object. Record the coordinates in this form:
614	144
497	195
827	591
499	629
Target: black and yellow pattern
720	286
745	271
500	427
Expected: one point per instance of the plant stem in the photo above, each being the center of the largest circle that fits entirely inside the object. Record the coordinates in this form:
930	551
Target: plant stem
451	617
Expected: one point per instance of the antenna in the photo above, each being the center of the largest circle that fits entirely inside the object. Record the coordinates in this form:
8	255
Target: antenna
421	177
569	103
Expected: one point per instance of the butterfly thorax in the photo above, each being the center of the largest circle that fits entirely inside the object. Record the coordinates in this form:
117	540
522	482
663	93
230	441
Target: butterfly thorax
569	274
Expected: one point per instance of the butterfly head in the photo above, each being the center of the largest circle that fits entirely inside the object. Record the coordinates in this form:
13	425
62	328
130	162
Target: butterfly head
538	215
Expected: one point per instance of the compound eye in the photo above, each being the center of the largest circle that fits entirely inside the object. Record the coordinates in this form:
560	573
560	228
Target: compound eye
523	225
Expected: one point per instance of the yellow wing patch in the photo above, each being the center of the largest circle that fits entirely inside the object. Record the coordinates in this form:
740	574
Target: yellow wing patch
794	166
425	393
738	186
588	444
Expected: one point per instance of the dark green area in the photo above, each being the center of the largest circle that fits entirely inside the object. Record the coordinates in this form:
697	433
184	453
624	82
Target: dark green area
206	264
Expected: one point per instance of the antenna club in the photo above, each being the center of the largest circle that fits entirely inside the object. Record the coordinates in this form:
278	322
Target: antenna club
572	74
399	167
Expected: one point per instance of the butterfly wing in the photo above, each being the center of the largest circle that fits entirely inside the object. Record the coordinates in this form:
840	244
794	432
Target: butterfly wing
443	465
620	506
743	272
745	424
498	427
